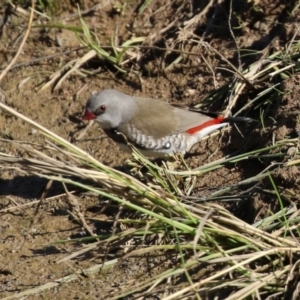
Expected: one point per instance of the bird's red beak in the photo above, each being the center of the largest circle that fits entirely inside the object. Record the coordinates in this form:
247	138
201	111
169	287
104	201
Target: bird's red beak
88	115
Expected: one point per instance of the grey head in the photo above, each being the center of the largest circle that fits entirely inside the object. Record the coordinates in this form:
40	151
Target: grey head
110	108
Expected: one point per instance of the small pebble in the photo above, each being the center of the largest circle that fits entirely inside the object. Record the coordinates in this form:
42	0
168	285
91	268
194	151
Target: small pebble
33	132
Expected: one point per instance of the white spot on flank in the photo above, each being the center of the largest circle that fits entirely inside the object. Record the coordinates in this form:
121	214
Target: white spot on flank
167	145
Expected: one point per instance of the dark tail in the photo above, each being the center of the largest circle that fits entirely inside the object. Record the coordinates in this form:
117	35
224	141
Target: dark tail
225	120
237	120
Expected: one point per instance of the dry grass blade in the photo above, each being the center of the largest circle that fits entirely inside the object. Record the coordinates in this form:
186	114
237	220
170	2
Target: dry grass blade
230	269
61	281
4	72
78	63
59	77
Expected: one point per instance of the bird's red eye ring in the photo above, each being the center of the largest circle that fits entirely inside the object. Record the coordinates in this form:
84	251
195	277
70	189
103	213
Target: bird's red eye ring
100	110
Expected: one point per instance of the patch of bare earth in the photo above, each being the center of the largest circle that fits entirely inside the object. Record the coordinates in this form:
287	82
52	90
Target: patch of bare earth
28	255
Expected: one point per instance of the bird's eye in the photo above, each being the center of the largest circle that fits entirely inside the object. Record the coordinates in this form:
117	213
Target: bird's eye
100	110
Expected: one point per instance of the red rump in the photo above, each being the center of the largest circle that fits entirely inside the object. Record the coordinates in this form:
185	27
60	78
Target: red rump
205	125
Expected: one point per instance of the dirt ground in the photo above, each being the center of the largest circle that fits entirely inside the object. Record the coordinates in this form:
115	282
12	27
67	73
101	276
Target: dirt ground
28	256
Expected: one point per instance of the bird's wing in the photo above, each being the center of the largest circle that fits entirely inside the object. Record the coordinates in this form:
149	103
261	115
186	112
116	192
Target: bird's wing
190	119
159	119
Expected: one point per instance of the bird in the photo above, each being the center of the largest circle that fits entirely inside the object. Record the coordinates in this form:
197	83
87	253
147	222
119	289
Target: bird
156	128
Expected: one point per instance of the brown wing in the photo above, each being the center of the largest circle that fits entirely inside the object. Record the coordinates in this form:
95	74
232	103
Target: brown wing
189	119
158	119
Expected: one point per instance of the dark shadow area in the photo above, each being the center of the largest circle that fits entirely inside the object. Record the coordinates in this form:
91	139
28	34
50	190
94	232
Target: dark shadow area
48	250
28	187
